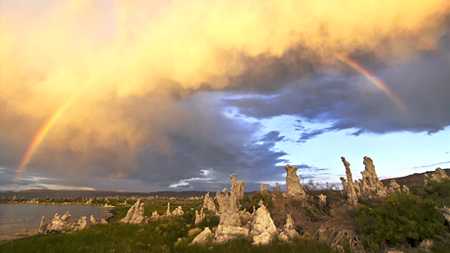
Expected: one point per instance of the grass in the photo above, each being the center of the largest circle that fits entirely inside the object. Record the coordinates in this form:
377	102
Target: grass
159	235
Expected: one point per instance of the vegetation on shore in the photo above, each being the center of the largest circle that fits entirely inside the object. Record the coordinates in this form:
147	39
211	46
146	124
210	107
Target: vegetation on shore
400	221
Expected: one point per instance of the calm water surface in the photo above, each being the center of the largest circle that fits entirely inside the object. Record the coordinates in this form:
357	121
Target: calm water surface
14	218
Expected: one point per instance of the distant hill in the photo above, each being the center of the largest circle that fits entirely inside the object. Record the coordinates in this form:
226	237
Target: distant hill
56	194
414	180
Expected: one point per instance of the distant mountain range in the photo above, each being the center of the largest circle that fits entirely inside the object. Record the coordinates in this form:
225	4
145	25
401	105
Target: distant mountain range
414	180
56	194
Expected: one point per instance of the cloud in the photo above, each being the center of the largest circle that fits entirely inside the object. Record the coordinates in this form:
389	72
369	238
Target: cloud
345	101
153	76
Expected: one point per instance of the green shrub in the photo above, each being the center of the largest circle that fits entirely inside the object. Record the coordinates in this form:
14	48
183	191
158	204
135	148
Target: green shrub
439	192
250	201
399	219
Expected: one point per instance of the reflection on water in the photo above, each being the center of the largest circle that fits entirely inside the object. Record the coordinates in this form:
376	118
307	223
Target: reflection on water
14	218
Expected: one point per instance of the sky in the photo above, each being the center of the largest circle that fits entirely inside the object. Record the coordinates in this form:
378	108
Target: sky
178	95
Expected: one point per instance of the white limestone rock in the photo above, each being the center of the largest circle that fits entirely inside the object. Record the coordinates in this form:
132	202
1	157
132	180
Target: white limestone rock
263	228
263	189
348	184
237	188
135	214
371	186
209	204
155	215
226	233
393	186
178	211
288	232
437	175
199	217
294	189
203	237
322	200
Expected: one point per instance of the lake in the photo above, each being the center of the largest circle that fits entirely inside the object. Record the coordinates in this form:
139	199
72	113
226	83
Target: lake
14	218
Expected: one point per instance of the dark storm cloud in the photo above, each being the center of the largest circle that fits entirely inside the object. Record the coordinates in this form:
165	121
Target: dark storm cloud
350	101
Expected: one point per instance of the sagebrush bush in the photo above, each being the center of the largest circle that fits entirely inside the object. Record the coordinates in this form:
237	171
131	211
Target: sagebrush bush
438	192
250	201
399	219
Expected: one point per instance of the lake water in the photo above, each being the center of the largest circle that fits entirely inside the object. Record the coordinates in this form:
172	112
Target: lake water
14	218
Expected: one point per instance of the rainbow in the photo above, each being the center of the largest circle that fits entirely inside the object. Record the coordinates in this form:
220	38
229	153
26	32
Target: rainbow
43	131
373	79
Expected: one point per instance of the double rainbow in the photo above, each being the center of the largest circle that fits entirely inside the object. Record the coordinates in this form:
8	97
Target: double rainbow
372	78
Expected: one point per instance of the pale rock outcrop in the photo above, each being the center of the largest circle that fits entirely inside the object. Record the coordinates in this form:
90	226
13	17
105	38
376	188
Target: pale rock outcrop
229	226
226	233
246	218
155	215
209	204
322	200
42	226
237	188
57	224
263	228
89	202
437	176
81	223
94	221
348	184
446	213
229	212
405	189
294	189
199	217
263	189
288	232
178	211
426	245
203	237
135	214
393	186
371	186
168	209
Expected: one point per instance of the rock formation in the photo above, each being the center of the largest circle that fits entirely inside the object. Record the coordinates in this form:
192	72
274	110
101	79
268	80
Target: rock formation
81	224
263	228
237	188
168	209
393	186
155	215
42	226
263	189
229	225
209	204
446	213
203	237
405	189
437	175
348	185
294	189
94	221
288	232
199	217
371	186
135	214
322	200
178	211
57	224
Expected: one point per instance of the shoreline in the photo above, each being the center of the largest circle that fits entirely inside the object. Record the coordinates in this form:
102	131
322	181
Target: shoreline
35	231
